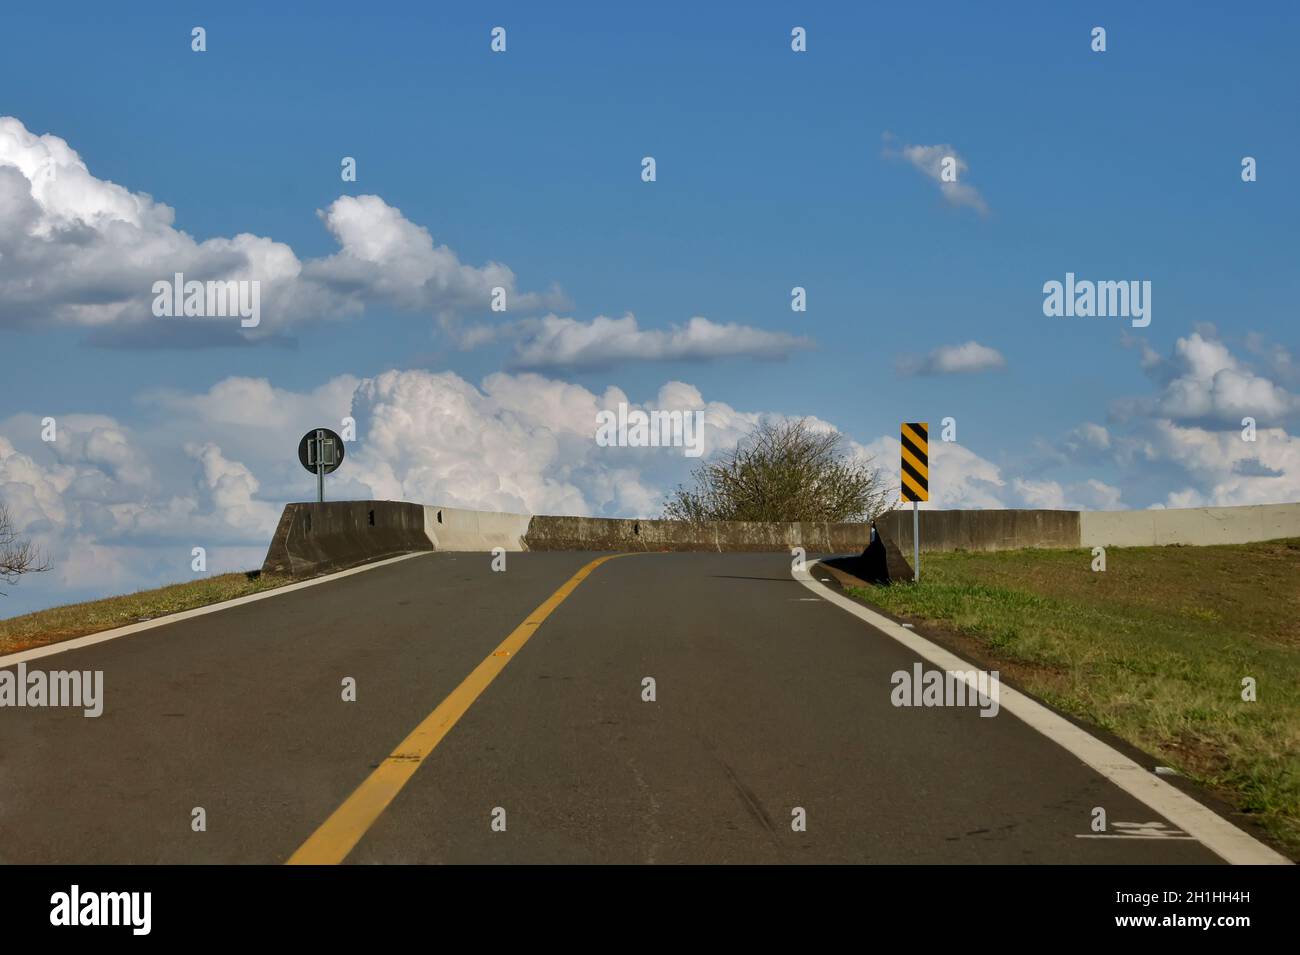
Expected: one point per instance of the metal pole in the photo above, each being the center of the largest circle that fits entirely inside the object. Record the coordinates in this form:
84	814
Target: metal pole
320	467
916	541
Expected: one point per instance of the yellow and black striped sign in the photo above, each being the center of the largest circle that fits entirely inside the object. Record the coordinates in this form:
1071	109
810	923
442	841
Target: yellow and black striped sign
916	461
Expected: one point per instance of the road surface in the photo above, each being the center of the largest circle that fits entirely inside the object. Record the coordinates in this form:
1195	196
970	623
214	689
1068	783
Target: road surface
768	700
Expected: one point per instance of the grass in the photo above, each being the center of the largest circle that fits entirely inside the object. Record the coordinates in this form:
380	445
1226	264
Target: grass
1154	650
75	620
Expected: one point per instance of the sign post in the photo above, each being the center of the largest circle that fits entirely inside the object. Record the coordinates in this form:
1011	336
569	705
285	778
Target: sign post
915	479
320	467
321	452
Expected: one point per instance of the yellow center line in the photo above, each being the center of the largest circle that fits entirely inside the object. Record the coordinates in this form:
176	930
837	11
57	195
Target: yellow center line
339	834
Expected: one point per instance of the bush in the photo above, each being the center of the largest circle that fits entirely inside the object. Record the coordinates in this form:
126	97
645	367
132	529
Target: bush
785	471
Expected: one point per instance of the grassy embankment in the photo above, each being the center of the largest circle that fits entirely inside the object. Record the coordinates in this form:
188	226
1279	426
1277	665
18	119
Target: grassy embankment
75	620
1153	650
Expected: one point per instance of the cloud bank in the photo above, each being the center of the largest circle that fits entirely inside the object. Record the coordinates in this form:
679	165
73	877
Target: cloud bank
78	250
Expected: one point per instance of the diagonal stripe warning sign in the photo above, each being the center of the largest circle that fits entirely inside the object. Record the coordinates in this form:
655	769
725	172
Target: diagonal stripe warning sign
916	461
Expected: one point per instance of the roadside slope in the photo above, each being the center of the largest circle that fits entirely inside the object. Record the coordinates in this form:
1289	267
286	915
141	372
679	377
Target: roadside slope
1154	650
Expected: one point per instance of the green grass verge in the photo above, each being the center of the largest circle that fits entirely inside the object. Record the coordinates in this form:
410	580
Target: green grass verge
76	620
1154	650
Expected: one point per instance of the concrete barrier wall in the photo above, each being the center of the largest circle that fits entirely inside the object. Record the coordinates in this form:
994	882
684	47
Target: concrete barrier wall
943	530
983	530
456	529
1189	525
315	538
603	533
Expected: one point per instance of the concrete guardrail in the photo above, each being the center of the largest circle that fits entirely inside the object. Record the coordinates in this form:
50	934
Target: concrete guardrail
314	538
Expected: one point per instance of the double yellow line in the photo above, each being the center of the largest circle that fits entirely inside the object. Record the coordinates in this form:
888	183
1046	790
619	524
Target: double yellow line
339	834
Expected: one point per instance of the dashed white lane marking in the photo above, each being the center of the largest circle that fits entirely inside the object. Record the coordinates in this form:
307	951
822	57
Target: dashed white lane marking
1201	823
76	643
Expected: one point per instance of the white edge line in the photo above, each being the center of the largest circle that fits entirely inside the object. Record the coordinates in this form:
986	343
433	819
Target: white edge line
1203	824
1115	835
90	639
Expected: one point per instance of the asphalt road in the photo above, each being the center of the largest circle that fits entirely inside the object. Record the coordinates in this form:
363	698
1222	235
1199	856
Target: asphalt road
768	700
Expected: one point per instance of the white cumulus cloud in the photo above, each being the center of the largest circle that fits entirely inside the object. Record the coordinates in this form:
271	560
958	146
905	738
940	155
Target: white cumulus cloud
1203	382
79	250
967	358
929	160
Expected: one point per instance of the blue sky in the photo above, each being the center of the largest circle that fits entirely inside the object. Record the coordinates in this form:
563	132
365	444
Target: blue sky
774	169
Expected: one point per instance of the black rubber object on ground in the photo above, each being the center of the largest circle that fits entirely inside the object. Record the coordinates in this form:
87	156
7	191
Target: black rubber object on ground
881	562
